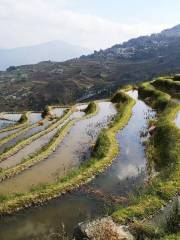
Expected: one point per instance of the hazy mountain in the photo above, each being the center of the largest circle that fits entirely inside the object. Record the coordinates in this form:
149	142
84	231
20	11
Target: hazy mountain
139	59
54	51
145	47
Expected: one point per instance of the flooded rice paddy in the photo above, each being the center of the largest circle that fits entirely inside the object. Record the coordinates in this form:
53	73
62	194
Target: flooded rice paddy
124	176
36	145
74	149
58	112
5	123
15	117
34	117
24	135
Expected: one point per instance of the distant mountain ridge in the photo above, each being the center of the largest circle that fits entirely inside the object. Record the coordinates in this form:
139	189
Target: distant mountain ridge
139	59
54	51
155	45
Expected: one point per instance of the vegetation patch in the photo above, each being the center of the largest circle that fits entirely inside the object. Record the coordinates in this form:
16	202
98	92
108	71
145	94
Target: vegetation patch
91	108
168	85
24	118
77	177
46	112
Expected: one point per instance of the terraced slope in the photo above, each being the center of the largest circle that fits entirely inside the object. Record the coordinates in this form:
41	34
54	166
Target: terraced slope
79	148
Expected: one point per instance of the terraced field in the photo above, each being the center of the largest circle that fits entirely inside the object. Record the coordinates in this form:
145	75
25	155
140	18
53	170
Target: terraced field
131	144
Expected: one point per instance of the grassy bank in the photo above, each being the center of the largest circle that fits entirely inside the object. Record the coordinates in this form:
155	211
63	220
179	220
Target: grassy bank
168	85
14	149
163	149
85	173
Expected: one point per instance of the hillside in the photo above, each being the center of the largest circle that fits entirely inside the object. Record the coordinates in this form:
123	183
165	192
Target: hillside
34	86
54	50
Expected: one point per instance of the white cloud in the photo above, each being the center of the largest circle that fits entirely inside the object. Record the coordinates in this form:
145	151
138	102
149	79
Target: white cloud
24	22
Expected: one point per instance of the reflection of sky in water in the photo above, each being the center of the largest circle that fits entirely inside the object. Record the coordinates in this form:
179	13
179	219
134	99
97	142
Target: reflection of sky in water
58	112
81	107
130	162
177	121
4	123
34	117
12	116
129	170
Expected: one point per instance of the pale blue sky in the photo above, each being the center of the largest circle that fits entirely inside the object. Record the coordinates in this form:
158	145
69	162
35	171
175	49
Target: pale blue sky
128	11
91	23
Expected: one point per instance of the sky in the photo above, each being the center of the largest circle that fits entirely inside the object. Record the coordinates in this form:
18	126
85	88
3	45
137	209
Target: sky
94	24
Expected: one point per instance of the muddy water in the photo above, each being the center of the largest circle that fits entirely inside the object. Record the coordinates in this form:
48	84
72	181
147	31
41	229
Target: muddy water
69	154
41	222
22	136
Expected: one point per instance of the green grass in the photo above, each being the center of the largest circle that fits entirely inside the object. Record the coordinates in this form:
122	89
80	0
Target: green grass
102	145
77	177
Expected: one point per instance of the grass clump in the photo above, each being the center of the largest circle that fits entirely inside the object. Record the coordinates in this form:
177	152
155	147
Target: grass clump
102	145
24	118
91	108
46	112
119	97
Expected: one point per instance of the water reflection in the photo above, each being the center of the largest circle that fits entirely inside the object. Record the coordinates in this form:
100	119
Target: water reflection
177	121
